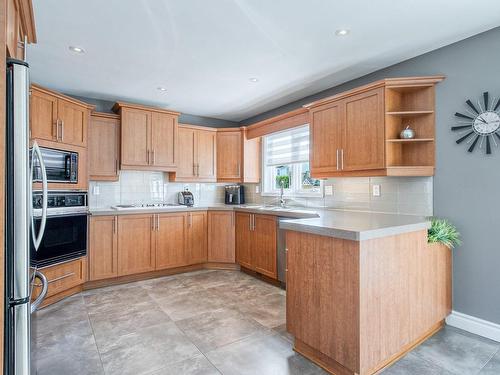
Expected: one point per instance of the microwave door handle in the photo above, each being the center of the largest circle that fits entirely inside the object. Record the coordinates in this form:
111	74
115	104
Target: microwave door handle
45	286
37	239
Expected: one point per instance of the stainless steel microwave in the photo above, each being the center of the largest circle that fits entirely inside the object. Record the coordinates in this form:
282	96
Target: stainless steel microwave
61	166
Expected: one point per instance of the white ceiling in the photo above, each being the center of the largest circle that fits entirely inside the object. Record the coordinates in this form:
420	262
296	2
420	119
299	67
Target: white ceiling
205	51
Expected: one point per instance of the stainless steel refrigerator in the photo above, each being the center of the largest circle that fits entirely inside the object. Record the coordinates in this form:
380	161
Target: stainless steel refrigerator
19	231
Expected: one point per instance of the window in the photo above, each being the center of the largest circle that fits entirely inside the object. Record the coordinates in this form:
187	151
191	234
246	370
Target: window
286	163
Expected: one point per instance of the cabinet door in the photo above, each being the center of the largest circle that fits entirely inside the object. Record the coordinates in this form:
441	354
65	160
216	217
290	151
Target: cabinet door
264	245
221	236
244	239
43	116
206	155
135	125
163	140
171	240
103	252
186	167
229	165
135	247
364	145
103	148
74	122
251	160
326	132
197	237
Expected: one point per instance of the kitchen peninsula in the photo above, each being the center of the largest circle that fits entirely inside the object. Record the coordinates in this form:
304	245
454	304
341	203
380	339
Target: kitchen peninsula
363	289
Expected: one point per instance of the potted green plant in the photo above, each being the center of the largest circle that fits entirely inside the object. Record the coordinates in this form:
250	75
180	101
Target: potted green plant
443	232
285	180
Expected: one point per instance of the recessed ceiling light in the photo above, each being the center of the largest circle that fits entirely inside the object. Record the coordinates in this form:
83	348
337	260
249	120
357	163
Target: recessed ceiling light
76	49
253	79
342	32
161	88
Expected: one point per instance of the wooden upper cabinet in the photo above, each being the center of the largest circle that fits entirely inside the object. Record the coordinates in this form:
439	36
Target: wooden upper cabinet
206	155
20	26
171	240
251	159
186	168
364	143
197	154
43	116
221	246
326	139
229	155
58	118
163	140
136	251
197	237
73	120
356	133
103	250
148	137
135	127
104	137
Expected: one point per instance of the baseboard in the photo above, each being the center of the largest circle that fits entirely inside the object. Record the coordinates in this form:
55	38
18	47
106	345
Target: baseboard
474	325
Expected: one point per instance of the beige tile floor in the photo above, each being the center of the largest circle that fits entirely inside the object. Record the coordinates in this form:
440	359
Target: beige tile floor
208	322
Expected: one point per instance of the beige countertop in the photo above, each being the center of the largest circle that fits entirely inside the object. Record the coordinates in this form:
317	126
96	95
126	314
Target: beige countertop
349	225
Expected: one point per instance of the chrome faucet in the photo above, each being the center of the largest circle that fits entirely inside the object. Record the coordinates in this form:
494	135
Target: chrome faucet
282	200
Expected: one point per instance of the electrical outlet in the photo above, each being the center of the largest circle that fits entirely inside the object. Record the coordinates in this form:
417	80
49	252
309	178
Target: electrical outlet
328	190
96	190
376	190
257	189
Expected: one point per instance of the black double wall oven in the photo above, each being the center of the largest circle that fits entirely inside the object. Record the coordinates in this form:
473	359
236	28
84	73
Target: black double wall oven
65	235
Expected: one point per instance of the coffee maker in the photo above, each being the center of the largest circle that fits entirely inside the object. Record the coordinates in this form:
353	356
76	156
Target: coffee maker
235	194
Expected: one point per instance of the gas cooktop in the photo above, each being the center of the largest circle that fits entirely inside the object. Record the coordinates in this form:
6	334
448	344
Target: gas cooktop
140	206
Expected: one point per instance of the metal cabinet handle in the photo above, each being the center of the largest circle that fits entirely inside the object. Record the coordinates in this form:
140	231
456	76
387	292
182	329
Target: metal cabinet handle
342	158
116	166
45	287
337	158
57	279
114	224
62	130
37	239
147	157
57	129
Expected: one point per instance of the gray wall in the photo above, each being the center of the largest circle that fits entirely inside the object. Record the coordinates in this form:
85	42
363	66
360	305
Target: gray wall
106	105
466	186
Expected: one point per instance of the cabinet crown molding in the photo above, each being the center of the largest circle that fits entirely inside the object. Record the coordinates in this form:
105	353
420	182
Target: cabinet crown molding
119	105
45	90
387	82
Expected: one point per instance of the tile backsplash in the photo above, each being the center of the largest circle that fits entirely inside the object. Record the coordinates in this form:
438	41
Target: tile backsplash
406	195
149	187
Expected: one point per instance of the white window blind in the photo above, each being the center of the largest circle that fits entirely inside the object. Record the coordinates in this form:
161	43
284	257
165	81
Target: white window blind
289	146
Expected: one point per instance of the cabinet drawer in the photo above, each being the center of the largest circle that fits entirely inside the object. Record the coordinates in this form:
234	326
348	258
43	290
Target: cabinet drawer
62	276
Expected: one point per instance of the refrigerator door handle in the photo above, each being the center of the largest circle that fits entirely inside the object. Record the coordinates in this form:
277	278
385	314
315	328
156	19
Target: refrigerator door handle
37	239
45	287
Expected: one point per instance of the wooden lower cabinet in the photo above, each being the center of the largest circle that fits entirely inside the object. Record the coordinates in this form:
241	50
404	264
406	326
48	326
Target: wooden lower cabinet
62	278
256	237
221	225
131	244
135	244
356	306
171	240
103	249
264	245
196	237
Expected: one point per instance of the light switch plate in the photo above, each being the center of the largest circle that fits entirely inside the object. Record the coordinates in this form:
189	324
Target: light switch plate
376	190
257	189
96	190
328	190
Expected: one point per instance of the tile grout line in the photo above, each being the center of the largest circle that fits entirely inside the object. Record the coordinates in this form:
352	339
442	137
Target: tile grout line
93	335
489	360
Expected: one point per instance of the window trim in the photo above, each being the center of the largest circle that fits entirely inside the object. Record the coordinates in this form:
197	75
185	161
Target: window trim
288	193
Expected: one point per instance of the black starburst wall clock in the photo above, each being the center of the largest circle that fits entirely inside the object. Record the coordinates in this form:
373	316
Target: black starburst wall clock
481	125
